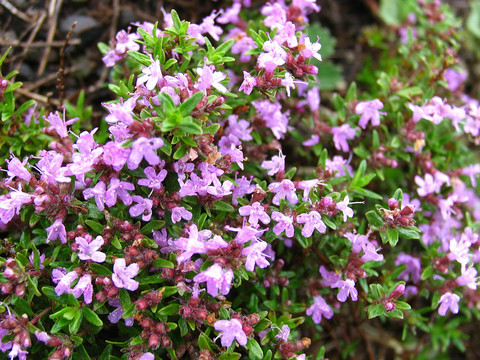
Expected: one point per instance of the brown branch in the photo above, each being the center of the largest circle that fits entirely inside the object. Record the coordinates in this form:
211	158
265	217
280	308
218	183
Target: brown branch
38	97
38	44
61	71
53	12
15	11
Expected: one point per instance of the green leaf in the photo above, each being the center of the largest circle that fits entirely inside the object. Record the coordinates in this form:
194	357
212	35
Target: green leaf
204	342
191	128
170	309
177	23
223	206
375	310
396	313
105	355
67	299
21	306
402	305
230	356
141	58
188	105
75	324
374	219
473	20
409	232
254	348
81	354
91	317
151	226
124	298
163	263
359	173
95	226
212	129
392	236
100	269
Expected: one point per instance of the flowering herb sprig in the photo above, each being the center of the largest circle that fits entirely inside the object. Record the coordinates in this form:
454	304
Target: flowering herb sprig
180	229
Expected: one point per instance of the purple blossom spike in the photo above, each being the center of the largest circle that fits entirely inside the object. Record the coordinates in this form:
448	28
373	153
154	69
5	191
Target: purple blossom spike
312	221
208	78
59	124
248	83
230	330
284	223
98	192
179	213
57	230
153	180
256	212
448	301
18	169
194	244
144	148
255	255
123	275
307	186
118	189
340	136
284	333
343	207
414	267
88	248
369	112
84	287
115	155
63	280
277	164
143	207
282	190
319	309
347	288
217	279
243	187
152	75
328	277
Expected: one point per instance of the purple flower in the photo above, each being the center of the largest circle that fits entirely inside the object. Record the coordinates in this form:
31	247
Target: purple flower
426	186
11	204
243	187
88	249
42	336
18	169
369	112
340	136
276	14
57	230
468	277
414	267
277	164
179	213
194	244
448	301
273	117
282	190
310	49
208	78
246	233
182	167
319	309
117	314
152	75
59	124
126	41
98	192
115	155
231	330
273	56
144	148
217	279
63	281
328	277
153	180
255	255
337	165
17	352
312	221
256	212
284	333
307	186
84	287
454	78
347	288
120	189
343	207
147	356
283	223
122	276
248	83
143	207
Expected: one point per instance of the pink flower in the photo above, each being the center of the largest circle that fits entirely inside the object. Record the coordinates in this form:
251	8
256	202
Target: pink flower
319	309
88	248
208	78
230	330
143	207
152	75
312	221
277	164
179	213
284	189
123	275
347	288
369	112
217	279
248	83
284	223
57	230
255	255
144	148
448	301
340	136
256	212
